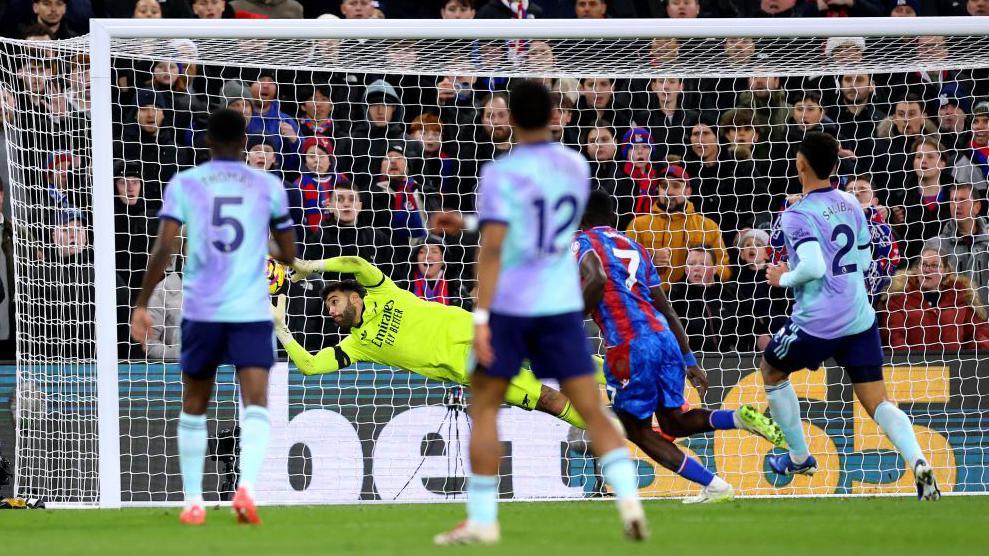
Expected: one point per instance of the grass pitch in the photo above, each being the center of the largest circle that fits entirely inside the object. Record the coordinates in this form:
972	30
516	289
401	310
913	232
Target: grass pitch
873	526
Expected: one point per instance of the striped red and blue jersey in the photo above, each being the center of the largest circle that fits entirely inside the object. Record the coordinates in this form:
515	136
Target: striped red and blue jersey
626	311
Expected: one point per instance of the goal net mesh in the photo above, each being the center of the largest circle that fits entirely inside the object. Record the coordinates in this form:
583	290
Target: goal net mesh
694	138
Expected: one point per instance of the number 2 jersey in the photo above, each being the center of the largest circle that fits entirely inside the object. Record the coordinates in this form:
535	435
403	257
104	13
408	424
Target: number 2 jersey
836	304
626	311
227	209
538	191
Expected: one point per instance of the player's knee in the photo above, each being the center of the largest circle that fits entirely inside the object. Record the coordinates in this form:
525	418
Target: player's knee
771	376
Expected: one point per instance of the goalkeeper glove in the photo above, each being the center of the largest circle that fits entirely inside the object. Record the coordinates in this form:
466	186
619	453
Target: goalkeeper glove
302	269
282	332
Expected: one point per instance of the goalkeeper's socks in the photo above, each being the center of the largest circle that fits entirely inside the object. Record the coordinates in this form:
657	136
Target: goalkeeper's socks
692	470
619	472
898	428
255	428
724	420
785	407
570	415
192	455
482	499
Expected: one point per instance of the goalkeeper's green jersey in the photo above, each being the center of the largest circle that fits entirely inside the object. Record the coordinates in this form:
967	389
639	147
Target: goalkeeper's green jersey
397	329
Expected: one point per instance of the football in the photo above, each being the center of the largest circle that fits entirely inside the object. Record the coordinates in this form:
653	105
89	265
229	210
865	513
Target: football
275	272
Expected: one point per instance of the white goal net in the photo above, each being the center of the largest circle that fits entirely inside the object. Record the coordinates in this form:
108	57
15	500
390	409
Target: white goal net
695	139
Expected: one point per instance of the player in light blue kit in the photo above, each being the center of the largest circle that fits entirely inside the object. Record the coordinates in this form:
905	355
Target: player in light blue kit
529	203
828	241
228	210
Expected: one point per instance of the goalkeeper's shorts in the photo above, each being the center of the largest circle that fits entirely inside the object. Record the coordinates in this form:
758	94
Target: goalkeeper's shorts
207	345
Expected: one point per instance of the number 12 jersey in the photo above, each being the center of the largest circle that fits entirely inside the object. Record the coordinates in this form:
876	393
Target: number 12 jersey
836	304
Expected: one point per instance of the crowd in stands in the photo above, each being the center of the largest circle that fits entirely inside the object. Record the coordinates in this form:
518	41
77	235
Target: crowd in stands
700	168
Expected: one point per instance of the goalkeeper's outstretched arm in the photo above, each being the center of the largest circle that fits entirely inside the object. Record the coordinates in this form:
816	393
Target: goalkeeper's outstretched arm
327	360
364	272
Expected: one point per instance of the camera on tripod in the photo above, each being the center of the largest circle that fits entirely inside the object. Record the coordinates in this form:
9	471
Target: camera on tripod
225	450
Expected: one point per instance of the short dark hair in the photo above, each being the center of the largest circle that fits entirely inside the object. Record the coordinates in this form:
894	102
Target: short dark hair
803	95
226	126
821	151
343	286
530	104
600	210
467	4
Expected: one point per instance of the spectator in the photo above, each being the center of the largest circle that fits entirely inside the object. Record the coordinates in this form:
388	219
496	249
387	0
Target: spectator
673	226
762	309
319	179
965	239
212	9
591	9
683	9
885	248
171	83
931	307
707	306
598	101
126	8
64	280
397	201
491	137
147	9
342	233
560	120
357	9
60	196
275	9
854	114
721	92
135	228
317	105
767	99
919	207
637	156
601	150
742	132
165	309
850	8
952	117
782	8
977	8
903	8
510	9
430	278
896	136
144	140
8	321
669	123
455	98
273	120
437	166
458	9
725	189
51	14
361	152
980	137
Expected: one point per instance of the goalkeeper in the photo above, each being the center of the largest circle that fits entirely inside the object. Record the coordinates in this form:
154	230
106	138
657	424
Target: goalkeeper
393	327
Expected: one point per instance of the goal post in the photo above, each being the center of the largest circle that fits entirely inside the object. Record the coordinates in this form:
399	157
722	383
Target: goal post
104	417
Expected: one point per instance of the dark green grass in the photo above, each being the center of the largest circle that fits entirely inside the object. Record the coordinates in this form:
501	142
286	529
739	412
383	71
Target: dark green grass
832	527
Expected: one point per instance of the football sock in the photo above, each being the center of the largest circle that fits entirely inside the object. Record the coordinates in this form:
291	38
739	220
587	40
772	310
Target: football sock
570	415
192	455
255	428
692	470
482	499
786	411
723	420
898	428
619	471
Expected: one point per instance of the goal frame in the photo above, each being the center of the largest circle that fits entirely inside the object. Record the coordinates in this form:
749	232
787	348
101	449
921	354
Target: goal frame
103	31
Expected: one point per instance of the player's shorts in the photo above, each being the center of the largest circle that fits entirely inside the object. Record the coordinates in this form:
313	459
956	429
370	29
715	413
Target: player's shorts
646	374
555	345
861	355
207	345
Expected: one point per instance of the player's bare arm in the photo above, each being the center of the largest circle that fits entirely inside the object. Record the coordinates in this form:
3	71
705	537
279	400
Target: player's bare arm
592	280
141	325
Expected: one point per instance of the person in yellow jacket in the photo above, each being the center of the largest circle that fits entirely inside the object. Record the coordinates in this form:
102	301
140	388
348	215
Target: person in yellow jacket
391	326
674	227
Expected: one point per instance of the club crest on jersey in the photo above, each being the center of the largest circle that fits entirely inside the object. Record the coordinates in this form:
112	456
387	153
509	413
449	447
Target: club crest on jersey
575	247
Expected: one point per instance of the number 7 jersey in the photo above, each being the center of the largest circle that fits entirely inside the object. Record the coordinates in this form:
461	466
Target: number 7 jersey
626	310
837	304
227	209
